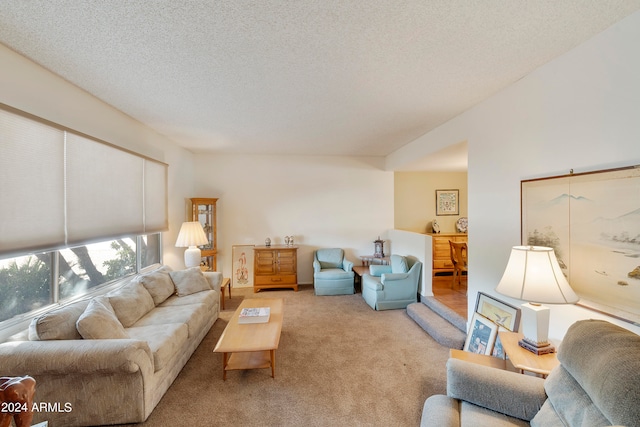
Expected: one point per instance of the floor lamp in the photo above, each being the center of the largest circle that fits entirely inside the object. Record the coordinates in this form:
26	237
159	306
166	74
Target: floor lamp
533	274
191	236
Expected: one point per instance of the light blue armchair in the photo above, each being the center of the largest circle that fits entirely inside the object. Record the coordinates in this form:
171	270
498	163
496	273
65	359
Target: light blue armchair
332	273
392	286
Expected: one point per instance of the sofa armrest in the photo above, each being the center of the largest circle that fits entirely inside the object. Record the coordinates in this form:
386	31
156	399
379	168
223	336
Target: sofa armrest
75	356
214	278
379	270
316	266
347	265
516	395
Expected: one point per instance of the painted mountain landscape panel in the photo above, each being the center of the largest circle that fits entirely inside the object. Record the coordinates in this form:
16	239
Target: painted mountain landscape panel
592	220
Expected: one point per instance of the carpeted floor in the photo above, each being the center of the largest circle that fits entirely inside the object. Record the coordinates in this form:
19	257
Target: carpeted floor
339	363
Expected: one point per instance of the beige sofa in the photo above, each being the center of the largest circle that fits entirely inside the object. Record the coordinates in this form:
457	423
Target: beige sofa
596	384
110	359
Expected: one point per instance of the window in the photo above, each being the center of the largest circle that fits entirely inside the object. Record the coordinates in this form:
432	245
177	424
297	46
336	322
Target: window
27	284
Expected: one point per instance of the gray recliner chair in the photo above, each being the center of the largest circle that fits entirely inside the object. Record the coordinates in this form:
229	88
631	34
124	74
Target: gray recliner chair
596	384
332	273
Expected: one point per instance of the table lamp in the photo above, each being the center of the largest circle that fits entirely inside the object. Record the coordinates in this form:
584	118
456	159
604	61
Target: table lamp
191	236
533	274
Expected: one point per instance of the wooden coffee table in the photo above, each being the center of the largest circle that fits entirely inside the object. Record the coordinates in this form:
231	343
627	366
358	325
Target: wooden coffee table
251	346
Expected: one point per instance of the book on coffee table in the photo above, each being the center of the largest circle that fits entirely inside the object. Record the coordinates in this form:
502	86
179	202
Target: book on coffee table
254	315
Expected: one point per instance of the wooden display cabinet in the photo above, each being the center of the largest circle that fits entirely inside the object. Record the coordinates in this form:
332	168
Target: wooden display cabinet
275	267
204	211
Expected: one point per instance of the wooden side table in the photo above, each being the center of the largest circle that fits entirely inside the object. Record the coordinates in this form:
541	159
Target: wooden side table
359	271
226	283
524	360
478	359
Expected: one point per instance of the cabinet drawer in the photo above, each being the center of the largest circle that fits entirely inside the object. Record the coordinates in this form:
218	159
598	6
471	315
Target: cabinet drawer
441	263
285	279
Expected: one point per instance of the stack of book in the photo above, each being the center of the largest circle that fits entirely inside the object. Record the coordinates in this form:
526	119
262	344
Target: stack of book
544	349
254	315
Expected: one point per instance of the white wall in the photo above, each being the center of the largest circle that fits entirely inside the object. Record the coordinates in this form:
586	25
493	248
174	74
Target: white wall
580	111
29	87
344	202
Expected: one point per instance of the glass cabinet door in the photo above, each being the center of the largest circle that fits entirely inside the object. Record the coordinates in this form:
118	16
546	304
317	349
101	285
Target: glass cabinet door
203	210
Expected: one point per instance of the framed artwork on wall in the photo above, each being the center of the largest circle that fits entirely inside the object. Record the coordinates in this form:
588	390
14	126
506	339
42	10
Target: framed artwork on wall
242	276
592	221
481	336
447	202
499	312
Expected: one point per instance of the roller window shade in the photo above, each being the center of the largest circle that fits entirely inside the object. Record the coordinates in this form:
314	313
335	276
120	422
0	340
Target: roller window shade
31	184
155	197
59	188
104	191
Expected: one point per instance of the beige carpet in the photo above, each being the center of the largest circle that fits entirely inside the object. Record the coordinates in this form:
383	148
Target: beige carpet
339	363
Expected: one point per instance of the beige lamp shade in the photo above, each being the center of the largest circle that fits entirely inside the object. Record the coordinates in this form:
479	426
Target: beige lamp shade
191	235
533	274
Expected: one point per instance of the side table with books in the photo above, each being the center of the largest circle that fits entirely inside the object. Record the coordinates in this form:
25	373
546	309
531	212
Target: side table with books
525	360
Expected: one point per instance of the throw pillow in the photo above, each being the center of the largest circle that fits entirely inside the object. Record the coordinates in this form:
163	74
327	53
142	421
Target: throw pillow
399	264
58	324
158	284
189	281
131	302
100	322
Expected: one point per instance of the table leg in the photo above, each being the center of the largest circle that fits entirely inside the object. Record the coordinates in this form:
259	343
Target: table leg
273	363
225	359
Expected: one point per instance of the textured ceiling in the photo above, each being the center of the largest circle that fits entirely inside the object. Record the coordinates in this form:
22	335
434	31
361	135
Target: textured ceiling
331	77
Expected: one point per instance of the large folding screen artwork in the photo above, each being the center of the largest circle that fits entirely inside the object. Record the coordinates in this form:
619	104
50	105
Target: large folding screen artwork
592	221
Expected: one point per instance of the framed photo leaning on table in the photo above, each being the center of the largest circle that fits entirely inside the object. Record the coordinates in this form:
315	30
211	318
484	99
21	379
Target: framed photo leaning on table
482	335
499	312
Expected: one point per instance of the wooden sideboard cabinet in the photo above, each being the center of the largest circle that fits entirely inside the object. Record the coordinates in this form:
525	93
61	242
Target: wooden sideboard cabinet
441	252
275	267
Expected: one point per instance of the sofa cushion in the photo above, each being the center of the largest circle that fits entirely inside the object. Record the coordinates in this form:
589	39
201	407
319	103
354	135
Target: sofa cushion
131	302
99	321
333	274
189	281
164	341
158	284
399	264
58	324
194	315
210	298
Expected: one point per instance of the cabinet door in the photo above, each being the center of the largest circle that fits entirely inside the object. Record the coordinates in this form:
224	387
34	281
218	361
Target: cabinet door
287	261
265	262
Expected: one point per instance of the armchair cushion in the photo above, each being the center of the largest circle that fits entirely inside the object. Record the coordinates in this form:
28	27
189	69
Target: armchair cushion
330	258
379	270
399	264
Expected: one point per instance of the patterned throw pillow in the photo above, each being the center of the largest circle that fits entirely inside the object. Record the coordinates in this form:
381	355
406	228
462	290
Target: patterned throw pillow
189	281
99	321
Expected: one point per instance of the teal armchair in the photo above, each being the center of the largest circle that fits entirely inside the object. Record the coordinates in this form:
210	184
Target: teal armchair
332	273
388	287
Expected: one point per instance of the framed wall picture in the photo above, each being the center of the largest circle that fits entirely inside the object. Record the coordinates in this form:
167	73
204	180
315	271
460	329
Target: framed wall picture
482	335
499	312
242	276
592	221
447	202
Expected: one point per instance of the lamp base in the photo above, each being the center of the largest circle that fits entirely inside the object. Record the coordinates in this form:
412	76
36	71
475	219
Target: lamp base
192	257
539	350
